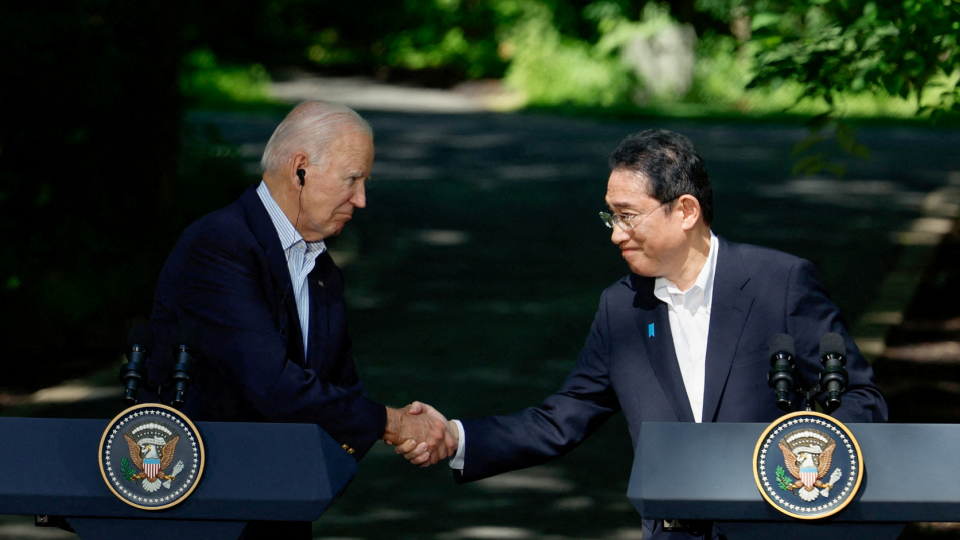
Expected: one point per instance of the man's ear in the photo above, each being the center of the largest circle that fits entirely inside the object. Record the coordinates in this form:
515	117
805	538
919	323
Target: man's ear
299	163
690	207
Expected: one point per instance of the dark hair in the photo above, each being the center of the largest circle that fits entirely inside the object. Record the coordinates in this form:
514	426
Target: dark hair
671	165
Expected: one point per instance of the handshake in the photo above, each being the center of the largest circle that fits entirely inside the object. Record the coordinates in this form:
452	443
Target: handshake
421	434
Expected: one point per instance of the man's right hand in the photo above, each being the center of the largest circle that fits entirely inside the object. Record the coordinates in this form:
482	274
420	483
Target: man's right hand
418	454
425	434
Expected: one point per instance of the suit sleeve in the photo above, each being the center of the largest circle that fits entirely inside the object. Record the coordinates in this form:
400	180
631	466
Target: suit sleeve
811	315
219	287
533	436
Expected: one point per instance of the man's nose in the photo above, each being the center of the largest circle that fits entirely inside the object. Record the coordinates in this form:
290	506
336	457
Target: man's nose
618	235
359	198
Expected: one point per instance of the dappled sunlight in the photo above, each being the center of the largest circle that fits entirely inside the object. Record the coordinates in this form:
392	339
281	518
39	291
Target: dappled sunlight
543	171
23	528
372	515
443	237
489	532
829	189
574	503
393	170
923	232
542	479
372	95
939	352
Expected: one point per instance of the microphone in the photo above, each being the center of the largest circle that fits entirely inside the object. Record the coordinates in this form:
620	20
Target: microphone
833	356
782	376
182	373
134	372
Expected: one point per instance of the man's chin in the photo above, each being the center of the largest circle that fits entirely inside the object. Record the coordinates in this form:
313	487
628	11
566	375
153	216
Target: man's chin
638	265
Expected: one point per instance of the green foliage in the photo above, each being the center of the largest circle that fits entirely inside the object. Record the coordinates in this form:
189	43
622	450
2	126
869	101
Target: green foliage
782	479
206	83
126	469
553	69
903	48
454	35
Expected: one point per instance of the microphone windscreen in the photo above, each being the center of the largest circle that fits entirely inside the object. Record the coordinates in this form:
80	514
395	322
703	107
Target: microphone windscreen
782	343
187	334
832	343
140	335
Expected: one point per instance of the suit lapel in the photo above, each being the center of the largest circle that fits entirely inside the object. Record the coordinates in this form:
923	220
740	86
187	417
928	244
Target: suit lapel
728	314
266	233
658	347
320	283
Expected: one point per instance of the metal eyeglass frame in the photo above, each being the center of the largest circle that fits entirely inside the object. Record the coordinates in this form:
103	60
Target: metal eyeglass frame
627	224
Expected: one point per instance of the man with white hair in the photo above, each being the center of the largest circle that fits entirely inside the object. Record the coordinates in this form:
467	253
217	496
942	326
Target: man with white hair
257	281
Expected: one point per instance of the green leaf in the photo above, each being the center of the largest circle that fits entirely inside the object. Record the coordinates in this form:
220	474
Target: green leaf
904	91
892	83
782	479
127	470
762	20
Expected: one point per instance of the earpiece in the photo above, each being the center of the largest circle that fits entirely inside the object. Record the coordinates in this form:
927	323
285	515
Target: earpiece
302	174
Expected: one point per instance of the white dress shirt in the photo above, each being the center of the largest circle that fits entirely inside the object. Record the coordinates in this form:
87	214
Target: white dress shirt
301	258
689	314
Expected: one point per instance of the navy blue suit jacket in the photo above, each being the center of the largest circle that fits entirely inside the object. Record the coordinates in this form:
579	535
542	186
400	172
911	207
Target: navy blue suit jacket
757	293
228	276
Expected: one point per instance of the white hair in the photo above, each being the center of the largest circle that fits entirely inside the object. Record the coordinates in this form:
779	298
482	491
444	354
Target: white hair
310	128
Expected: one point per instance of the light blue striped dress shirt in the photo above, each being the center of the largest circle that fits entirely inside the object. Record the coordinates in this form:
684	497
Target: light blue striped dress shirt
301	258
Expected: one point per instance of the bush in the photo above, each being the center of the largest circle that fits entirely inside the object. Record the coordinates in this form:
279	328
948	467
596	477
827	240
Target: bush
205	83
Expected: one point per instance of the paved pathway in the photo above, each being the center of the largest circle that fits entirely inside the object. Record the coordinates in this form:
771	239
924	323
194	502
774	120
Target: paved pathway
475	270
474	273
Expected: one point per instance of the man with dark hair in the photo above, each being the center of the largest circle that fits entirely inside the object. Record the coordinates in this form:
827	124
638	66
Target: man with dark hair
682	338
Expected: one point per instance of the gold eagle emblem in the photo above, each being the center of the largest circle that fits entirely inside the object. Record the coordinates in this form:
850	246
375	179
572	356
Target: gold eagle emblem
807	455
164	454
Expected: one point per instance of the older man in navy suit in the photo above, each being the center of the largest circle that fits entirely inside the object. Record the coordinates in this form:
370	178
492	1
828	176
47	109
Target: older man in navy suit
683	338
257	281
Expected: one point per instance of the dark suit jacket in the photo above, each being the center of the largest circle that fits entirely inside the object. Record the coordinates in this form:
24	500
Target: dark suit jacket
757	293
228	276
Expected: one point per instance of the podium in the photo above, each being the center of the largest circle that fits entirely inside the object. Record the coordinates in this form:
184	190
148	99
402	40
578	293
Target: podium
691	471
253	472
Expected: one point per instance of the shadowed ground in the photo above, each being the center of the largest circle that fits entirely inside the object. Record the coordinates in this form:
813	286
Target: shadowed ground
474	274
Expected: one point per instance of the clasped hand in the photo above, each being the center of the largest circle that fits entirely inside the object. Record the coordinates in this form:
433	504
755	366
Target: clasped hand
421	434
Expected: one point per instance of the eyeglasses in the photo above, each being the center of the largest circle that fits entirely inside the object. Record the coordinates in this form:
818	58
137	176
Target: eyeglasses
627	223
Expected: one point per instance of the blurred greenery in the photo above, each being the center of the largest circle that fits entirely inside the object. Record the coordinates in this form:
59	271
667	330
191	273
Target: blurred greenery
204	82
906	48
98	175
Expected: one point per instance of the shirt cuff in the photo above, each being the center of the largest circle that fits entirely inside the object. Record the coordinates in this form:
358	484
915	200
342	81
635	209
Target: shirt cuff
456	462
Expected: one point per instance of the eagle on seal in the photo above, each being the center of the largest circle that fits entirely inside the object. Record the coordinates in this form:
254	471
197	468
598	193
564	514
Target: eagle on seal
809	466
157	457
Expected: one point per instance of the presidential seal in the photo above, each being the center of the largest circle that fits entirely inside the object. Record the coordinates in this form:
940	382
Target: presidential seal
808	465
151	456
